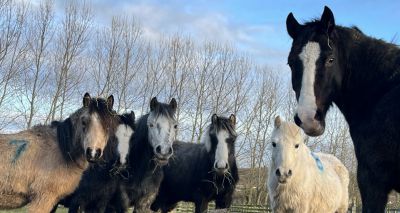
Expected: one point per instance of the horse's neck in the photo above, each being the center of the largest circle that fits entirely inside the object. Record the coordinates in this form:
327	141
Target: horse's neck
371	69
142	154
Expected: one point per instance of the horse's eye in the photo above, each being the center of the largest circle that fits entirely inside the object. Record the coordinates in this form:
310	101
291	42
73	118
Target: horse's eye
273	144
176	126
330	60
151	125
296	146
84	122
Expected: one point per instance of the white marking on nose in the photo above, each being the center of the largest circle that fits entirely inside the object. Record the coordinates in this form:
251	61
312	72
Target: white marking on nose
221	153
307	106
123	135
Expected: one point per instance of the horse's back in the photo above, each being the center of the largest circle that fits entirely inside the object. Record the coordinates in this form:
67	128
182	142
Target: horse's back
334	163
339	170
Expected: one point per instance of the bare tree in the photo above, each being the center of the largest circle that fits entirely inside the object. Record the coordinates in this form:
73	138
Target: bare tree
38	37
71	40
12	55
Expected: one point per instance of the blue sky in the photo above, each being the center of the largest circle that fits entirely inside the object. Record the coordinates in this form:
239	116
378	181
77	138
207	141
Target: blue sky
256	27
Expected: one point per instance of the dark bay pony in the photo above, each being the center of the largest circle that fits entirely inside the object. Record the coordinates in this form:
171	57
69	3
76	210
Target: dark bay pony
361	75
150	149
39	166
101	181
202	172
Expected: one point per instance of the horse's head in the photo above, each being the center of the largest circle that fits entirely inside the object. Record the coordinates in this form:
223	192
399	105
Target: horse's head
124	131
219	139
287	146
316	74
162	128
93	125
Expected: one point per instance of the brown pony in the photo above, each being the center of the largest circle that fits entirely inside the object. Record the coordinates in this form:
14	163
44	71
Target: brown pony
41	165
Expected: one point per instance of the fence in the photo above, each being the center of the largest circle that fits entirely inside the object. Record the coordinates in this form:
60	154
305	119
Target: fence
189	208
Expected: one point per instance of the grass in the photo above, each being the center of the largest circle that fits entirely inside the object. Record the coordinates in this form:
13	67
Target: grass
23	210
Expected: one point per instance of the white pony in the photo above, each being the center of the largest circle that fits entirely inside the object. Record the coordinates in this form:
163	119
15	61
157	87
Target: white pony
303	181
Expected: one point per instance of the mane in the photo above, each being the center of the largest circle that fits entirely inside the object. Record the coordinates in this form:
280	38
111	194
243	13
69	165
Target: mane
71	150
291	129
164	109
106	115
140	151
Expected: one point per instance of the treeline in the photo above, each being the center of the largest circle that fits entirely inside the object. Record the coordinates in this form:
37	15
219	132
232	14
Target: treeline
49	58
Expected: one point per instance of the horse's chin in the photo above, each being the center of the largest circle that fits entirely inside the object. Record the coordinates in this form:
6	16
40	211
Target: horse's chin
220	172
282	182
161	161
314	130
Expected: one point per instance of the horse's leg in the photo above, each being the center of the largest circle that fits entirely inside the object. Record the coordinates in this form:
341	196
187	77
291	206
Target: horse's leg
45	203
374	194
168	207
54	208
201	206
143	204
224	201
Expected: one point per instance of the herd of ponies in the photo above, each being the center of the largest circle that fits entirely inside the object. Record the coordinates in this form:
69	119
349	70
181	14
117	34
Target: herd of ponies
97	160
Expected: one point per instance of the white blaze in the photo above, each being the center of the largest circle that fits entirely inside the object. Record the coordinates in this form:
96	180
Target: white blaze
123	134
221	153
307	106
96	137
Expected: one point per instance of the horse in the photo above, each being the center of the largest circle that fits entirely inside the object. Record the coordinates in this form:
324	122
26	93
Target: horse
149	150
202	172
100	181
302	181
41	165
361	75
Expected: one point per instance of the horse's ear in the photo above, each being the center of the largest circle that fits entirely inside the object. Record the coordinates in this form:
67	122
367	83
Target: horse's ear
278	122
232	119
292	26
327	20
110	102
214	118
153	103
132	115
173	104
86	100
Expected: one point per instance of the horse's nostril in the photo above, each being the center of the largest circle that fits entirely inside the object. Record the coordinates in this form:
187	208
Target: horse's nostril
318	115
289	173
297	120
158	149
89	153
98	154
170	150
226	166
278	173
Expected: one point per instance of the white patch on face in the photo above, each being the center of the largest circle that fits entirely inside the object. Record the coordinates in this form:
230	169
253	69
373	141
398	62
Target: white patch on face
222	152
123	134
307	106
162	133
95	138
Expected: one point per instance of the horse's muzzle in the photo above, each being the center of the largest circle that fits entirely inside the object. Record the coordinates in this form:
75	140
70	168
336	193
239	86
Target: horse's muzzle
311	127
93	155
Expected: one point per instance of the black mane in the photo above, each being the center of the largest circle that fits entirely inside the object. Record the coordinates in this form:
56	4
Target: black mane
71	149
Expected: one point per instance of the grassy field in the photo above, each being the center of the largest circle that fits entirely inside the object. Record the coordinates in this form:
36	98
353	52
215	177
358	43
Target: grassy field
23	210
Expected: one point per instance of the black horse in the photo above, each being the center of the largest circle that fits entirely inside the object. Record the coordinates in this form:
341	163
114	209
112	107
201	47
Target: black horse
361	75
203	172
100	182
150	149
